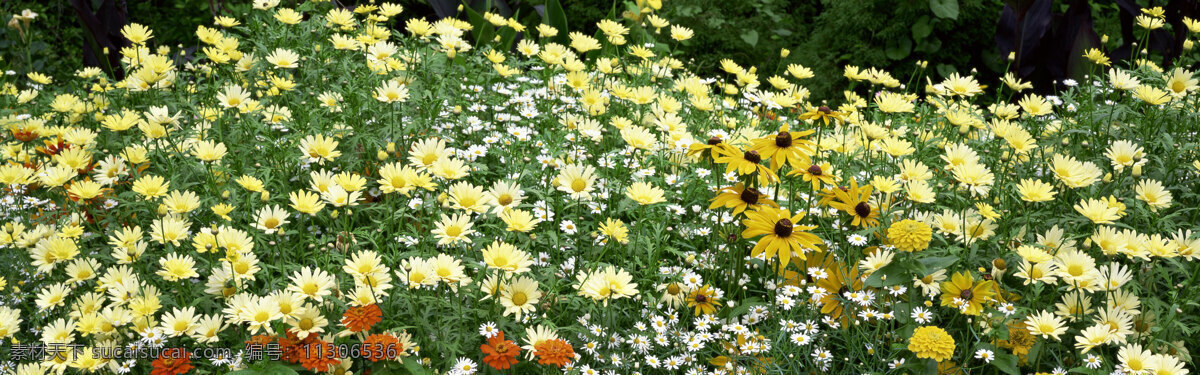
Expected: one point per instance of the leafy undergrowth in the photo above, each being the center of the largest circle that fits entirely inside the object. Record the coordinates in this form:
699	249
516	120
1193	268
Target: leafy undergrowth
358	192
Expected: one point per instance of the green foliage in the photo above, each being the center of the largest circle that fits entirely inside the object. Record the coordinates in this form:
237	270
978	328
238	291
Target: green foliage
55	42
826	36
57	37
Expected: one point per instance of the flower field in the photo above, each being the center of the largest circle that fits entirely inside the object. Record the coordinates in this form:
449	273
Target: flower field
349	190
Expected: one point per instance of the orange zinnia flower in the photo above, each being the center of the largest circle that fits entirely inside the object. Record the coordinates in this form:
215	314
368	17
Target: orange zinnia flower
554	352
172	361
501	353
362	318
318	356
292	348
381	347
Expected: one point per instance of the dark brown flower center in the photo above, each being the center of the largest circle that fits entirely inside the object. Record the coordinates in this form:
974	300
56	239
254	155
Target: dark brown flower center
815	170
825	110
750	196
753	156
714	141
700	298
862	209
966	294
783	228
783	140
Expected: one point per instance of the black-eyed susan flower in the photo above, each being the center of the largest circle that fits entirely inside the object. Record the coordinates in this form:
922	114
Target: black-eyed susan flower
705	149
740	199
965	294
824	114
703	300
781	234
856	201
786	147
744	163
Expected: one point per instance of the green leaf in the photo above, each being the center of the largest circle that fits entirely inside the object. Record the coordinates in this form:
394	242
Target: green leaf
930	367
414	367
555	16
922	28
483	30
507	36
1006	363
895	273
898	48
946	69
750	37
903	312
936	263
944	8
930	45
744	307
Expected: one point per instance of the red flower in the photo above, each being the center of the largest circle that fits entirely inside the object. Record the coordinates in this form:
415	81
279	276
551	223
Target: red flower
318	355
554	352
381	347
501	353
260	340
172	361
291	348
362	318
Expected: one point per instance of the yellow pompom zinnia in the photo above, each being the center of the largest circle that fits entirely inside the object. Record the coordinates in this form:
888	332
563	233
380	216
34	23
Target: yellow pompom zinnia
910	235
931	342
